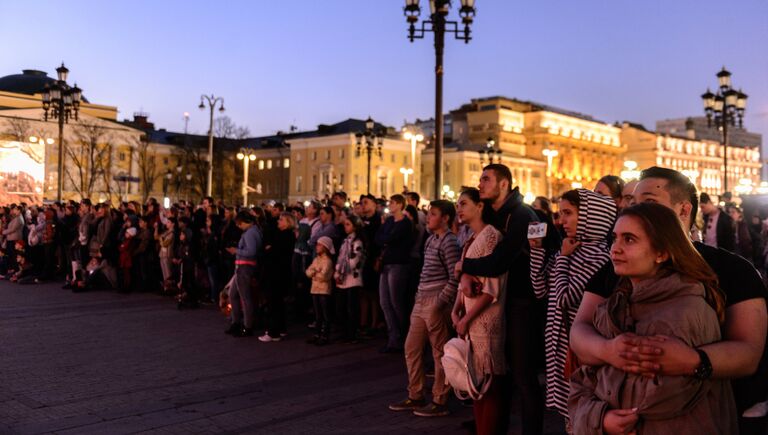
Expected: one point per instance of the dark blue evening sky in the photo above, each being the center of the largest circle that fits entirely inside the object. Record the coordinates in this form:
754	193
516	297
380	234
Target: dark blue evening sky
306	62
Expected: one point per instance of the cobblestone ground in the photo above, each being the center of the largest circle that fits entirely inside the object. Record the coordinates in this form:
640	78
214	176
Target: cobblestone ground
104	363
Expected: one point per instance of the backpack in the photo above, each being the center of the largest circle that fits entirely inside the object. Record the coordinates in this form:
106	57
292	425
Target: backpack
459	370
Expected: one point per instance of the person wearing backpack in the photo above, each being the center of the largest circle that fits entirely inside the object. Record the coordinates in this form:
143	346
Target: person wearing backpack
429	318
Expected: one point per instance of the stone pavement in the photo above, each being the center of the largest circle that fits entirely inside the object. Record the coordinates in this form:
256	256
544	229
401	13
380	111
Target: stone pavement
104	363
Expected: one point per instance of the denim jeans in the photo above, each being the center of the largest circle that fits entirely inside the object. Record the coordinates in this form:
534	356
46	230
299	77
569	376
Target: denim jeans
240	296
393	286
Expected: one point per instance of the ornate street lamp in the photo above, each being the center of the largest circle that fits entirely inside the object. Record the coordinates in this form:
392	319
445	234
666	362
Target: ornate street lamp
371	142
212	101
491	152
724	108
439	25
61	102
246	155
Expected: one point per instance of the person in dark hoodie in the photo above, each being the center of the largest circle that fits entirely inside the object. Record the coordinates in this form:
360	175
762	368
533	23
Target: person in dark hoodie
278	265
524	341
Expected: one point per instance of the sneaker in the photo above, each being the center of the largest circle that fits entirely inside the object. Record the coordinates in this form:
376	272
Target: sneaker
266	338
431	410
407	405
312	325
283	334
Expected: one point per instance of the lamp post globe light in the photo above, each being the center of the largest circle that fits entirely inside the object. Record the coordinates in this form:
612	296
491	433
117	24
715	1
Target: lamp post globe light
61	102
414	138
724	108
246	155
212	101
370	141
439	25
490	152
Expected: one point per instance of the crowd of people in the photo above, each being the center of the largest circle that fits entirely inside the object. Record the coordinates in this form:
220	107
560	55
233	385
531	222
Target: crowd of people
642	320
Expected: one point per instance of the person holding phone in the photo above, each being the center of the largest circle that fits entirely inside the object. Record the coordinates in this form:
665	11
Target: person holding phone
561	278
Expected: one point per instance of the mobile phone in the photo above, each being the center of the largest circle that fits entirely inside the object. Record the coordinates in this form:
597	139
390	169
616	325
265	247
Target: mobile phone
537	230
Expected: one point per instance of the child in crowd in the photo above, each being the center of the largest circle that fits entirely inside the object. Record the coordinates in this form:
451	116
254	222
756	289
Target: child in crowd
321	273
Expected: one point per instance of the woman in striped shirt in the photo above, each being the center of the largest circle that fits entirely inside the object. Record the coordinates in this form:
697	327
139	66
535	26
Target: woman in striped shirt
561	277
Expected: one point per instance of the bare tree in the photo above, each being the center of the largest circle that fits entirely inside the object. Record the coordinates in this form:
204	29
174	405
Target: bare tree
193	158
147	165
89	160
226	171
19	128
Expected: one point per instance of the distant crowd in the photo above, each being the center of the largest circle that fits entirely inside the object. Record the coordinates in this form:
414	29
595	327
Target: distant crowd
642	320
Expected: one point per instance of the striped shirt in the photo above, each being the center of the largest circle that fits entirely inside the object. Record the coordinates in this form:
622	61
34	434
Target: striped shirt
562	280
441	253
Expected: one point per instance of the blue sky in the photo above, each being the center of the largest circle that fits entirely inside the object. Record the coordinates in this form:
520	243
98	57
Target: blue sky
306	62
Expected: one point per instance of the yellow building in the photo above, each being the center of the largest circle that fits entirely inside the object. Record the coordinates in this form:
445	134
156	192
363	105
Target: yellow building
700	160
326	160
585	149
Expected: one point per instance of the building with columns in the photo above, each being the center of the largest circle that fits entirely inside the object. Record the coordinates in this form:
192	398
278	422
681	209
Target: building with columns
700	159
585	148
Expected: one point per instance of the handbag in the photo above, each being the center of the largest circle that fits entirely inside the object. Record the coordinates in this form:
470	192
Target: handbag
459	370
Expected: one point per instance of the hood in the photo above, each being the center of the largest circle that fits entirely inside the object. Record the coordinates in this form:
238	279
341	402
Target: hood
597	214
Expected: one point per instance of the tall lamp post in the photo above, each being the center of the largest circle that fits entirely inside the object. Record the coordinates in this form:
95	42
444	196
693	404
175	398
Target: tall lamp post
370	141
63	102
246	155
724	108
212	101
439	25
414	138
549	154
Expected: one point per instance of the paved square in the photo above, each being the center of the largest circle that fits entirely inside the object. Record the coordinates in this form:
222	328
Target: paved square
104	363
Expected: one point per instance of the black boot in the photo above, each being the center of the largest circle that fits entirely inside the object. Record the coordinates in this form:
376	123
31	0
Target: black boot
233	329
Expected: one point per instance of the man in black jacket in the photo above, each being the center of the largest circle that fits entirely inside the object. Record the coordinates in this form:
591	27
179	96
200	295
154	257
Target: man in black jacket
719	230
524	341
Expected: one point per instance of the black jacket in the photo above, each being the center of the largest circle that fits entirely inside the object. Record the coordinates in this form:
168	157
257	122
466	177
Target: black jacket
512	253
726	231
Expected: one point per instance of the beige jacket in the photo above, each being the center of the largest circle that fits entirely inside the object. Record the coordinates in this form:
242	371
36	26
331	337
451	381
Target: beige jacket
321	272
667	404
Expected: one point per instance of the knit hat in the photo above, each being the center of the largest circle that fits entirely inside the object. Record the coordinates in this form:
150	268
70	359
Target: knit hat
328	243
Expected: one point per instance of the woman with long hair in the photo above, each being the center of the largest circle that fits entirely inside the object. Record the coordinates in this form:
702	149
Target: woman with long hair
561	278
665	288
611	186
349	275
479	313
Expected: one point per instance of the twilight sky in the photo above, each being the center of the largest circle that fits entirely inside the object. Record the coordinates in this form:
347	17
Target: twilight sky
306	62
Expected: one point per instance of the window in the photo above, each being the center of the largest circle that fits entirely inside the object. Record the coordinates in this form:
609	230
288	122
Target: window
392	158
261	164
165	161
405	160
341	153
258	188
287	163
356	185
122	157
269	164
277	163
314	155
298	183
298	158
341	180
327	154
314	183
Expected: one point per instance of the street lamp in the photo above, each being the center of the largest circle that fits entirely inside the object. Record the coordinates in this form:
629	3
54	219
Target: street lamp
63	102
414	138
212	101
374	141
549	154
724	108
246	155
439	25
630	171
406	172
491	151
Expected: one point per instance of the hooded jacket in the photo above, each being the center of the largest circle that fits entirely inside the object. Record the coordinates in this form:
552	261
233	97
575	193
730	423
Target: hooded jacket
669	305
562	280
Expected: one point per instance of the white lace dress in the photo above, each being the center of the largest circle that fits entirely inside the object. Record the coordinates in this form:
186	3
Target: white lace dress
487	331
